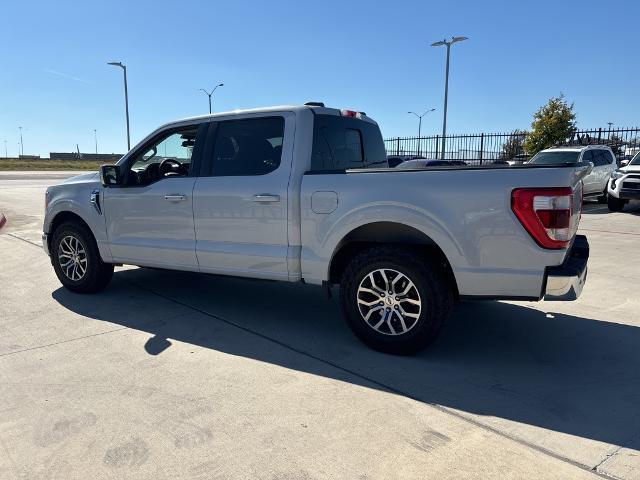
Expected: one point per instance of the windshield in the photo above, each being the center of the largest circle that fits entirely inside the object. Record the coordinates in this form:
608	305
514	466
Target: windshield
555	158
635	160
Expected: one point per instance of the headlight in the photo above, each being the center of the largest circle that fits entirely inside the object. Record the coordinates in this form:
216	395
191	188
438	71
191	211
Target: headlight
618	174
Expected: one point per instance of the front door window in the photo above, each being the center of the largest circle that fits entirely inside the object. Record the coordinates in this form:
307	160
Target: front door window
168	157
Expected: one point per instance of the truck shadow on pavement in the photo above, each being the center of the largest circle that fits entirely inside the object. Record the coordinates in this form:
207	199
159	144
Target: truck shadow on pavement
555	371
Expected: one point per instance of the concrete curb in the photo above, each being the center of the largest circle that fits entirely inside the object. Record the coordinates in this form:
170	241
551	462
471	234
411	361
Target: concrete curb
3	220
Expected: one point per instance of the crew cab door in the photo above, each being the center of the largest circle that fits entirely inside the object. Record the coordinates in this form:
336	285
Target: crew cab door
240	197
590	182
609	165
149	219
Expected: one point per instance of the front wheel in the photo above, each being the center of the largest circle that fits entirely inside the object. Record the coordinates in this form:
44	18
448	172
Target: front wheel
76	260
615	204
396	301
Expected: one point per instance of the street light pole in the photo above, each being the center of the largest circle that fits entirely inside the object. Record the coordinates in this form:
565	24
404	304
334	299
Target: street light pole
448	44
126	98
21	142
209	94
420	124
95	137
6	154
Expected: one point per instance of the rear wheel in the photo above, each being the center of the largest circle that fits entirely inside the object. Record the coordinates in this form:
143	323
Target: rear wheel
394	300
76	260
615	204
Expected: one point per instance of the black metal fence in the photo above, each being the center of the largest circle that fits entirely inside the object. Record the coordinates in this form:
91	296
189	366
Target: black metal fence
488	148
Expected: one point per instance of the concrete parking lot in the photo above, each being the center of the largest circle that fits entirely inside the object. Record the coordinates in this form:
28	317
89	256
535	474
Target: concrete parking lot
179	375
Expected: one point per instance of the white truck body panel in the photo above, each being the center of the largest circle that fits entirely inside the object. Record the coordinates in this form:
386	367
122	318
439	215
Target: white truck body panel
488	249
293	231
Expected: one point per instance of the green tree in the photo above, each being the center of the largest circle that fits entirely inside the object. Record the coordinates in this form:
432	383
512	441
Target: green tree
552	123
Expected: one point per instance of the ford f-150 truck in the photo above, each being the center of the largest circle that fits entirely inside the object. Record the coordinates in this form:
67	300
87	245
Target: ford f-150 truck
304	194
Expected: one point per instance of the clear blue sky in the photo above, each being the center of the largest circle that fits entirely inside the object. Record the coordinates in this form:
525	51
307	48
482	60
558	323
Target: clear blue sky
367	55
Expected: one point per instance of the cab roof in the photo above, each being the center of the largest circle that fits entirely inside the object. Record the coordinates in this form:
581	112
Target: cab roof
315	107
574	148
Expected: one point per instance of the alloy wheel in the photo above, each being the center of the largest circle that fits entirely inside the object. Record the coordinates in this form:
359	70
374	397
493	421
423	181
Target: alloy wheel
389	301
72	258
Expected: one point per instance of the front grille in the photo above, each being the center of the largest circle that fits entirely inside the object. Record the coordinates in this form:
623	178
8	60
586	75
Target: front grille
631	185
634	176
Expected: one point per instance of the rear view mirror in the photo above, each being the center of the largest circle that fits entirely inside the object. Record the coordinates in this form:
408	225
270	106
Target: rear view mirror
590	169
110	175
583	169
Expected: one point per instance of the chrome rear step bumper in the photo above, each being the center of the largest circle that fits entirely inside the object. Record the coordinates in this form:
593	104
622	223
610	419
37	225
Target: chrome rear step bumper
565	282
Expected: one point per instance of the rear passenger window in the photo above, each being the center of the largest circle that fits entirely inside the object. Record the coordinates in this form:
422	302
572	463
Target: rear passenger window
340	143
608	157
599	158
336	147
588	157
247	147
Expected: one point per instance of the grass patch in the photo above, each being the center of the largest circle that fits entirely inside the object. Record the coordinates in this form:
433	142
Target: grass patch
16	165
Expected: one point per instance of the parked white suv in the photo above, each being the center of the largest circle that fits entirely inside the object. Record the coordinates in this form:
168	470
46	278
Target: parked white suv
601	156
625	185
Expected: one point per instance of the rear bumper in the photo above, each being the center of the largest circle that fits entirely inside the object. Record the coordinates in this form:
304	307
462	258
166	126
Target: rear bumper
565	282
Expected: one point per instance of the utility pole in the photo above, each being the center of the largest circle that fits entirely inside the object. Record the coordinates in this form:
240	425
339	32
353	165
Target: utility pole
448	44
21	142
126	98
209	94
420	124
95	137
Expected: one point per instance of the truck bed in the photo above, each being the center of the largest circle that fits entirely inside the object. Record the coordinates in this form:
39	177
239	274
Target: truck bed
465	211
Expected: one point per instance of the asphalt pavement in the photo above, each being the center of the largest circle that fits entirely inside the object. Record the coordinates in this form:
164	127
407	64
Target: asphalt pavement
182	375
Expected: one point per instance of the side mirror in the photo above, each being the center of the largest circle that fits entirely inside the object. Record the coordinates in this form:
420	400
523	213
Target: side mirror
624	163
110	175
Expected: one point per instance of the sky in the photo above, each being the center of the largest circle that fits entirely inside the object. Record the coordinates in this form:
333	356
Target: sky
373	56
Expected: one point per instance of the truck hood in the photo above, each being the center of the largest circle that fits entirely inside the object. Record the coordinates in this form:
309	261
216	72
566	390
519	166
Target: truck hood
630	169
84	178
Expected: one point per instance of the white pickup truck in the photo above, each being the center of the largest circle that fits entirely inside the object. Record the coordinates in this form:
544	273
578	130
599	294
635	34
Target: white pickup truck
304	194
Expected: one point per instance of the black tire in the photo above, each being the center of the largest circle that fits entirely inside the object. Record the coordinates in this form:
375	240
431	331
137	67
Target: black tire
431	282
97	273
615	204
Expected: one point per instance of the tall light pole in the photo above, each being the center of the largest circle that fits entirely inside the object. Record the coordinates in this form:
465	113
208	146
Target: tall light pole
21	142
420	124
95	137
126	98
6	153
448	44
209	94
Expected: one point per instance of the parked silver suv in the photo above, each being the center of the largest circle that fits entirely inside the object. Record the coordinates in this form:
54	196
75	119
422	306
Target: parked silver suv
601	156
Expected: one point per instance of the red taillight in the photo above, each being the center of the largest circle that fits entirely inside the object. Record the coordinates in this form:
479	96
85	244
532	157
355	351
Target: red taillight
550	215
350	113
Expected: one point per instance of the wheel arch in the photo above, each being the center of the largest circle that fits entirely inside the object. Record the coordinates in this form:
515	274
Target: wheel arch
388	233
66	216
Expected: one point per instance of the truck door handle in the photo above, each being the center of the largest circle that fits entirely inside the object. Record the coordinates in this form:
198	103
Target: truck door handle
266	198
175	198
